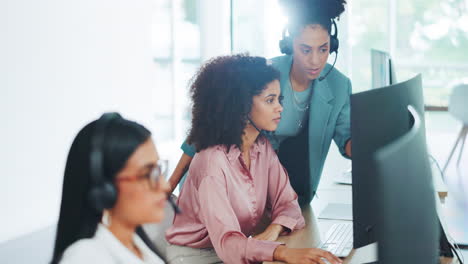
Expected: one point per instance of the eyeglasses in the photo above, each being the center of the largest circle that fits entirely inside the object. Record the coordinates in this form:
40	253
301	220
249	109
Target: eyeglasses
153	176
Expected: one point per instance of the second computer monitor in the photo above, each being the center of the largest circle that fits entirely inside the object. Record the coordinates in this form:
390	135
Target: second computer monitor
378	117
407	226
383	70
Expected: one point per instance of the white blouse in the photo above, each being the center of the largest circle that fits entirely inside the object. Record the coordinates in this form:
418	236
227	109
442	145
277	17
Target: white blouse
105	248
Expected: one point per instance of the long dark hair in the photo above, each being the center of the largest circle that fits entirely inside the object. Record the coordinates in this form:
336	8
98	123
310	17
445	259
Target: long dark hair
222	94
301	13
78	219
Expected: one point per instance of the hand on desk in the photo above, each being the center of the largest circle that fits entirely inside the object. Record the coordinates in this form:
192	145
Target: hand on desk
271	233
304	255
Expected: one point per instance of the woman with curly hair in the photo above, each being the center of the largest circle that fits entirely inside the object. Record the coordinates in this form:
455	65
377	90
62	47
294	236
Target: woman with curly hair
316	97
236	174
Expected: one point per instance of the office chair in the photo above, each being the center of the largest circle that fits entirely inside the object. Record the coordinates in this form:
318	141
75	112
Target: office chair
459	110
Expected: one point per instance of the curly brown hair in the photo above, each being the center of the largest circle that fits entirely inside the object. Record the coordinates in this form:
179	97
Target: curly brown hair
222	93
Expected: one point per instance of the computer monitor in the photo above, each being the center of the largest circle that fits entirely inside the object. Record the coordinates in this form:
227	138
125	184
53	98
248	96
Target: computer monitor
383	74
378	117
408	227
383	70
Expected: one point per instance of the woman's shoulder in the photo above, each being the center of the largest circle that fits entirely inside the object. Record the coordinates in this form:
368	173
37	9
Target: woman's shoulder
209	159
213	152
338	84
335	76
87	250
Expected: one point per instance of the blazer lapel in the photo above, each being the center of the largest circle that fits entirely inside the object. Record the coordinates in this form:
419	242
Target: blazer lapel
320	110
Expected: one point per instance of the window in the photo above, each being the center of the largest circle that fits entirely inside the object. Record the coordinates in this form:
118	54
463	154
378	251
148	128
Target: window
431	37
176	51
422	36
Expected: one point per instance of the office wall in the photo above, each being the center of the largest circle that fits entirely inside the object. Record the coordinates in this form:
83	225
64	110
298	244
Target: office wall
63	63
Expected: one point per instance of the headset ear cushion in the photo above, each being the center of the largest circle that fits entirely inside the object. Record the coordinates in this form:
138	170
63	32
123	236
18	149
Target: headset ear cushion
103	196
334	44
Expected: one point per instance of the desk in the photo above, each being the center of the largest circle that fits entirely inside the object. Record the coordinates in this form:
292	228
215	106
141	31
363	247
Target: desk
330	192
309	237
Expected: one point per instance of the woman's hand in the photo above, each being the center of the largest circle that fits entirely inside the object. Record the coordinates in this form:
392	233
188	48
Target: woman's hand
304	255
271	233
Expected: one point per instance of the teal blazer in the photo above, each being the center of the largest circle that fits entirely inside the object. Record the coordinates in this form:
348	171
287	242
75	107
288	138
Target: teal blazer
329	117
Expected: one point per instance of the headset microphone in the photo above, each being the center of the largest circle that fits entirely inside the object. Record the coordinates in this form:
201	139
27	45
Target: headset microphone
321	78
253	124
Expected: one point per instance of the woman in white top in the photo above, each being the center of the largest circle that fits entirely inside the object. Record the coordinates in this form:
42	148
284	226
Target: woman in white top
114	182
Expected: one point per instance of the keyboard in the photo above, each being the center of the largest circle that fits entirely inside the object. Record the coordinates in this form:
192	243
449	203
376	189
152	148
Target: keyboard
339	239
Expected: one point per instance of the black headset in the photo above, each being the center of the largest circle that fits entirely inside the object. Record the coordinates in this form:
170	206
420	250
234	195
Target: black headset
286	43
103	193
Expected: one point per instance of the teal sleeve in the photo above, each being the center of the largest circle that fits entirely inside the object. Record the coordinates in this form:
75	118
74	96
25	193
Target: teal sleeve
343	123
188	149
